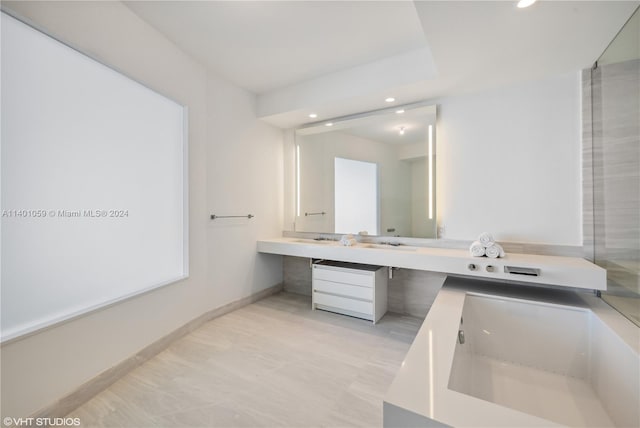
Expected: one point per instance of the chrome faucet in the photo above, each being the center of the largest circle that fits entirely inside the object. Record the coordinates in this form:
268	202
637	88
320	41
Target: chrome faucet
325	238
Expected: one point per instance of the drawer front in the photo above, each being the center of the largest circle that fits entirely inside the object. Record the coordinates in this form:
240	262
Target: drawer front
343	289
343	303
363	279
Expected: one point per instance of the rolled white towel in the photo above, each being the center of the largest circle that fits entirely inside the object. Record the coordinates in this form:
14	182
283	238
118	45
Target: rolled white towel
348	240
494	251
486	239
477	249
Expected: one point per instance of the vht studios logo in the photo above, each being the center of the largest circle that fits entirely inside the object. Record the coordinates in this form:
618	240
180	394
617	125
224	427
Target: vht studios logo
40	422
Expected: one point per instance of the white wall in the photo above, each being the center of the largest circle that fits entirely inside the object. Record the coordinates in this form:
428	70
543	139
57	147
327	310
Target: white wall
509	163
244	176
235	166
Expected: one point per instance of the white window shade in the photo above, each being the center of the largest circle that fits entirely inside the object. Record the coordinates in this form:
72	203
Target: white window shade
94	206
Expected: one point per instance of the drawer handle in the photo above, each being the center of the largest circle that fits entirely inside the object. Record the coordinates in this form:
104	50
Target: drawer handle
360	299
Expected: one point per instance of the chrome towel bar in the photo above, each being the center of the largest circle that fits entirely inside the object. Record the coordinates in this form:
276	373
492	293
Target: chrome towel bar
308	214
213	216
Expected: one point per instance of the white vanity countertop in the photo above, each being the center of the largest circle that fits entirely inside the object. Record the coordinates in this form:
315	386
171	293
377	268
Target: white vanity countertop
555	270
421	385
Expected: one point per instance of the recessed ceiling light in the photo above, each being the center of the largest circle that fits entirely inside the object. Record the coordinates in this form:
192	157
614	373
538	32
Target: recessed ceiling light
313	115
525	3
328	124
400	111
390	100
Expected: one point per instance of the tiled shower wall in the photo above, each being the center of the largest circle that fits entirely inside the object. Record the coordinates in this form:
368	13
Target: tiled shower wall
616	120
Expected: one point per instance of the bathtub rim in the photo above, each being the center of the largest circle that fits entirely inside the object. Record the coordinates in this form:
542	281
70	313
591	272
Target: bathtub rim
425	392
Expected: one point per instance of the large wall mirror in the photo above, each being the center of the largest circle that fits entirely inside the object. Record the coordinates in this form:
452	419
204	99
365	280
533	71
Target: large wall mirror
372	173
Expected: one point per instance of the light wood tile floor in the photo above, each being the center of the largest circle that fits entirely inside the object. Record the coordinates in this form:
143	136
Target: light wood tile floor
274	363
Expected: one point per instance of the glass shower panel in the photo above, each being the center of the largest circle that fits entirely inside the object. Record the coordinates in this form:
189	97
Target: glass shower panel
615	95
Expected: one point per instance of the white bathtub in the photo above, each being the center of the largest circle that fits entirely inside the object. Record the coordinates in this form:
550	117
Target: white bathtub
531	357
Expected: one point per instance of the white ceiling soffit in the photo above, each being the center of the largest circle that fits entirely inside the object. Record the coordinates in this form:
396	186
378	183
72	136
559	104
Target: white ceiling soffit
342	56
358	89
266	45
470	46
337	58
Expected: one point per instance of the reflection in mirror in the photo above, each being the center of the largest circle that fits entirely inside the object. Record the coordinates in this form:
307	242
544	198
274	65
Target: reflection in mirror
395	148
356	195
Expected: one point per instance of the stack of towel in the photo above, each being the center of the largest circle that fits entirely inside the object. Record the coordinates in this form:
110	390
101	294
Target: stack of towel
486	246
348	240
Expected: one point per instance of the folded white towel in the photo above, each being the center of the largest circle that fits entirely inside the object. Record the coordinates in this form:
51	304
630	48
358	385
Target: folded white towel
486	239
477	249
494	251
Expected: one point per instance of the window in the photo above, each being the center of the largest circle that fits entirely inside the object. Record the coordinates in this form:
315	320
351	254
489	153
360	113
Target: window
94	206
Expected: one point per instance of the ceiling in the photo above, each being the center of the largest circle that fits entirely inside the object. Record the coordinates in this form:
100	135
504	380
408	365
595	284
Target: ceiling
266	45
336	58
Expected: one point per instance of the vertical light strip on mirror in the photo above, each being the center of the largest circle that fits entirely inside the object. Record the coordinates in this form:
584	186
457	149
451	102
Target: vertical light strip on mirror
430	172
298	180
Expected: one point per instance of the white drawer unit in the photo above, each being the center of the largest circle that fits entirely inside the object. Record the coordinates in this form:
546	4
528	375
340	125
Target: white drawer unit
350	289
